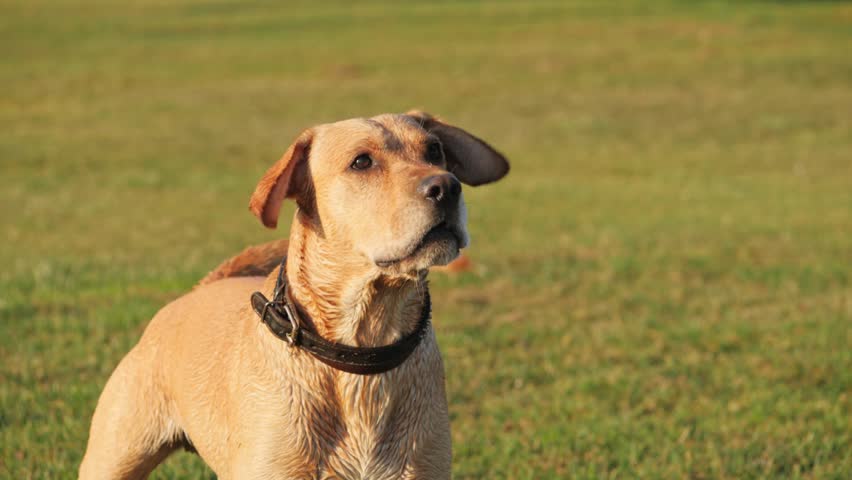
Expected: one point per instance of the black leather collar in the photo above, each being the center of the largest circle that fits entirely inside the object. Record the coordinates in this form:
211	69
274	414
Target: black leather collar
282	319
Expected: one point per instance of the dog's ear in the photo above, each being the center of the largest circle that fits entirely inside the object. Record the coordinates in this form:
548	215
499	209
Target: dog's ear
288	178
470	159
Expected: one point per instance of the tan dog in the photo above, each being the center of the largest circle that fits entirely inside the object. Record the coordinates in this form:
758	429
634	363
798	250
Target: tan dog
379	202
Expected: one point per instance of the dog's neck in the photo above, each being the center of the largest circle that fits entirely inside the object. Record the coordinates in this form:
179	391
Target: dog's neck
346	298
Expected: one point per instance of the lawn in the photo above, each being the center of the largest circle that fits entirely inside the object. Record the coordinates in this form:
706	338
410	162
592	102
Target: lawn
662	285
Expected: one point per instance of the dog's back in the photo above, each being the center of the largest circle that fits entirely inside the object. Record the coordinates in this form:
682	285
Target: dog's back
254	261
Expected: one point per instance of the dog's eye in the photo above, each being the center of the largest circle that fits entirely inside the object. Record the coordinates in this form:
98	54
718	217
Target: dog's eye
434	153
362	162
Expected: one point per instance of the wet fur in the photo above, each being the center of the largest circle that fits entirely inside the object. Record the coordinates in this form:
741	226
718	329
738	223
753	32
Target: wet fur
207	374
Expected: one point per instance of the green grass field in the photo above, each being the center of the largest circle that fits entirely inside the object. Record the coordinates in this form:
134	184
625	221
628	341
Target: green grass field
663	284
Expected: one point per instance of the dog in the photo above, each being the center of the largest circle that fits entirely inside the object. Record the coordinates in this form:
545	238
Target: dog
379	202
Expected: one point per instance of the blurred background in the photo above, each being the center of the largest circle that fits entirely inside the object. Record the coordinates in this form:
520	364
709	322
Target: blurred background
661	285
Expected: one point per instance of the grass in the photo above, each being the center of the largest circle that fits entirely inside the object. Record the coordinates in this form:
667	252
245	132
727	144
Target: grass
663	284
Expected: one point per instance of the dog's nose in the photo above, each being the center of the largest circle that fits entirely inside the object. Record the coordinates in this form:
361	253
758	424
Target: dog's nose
443	188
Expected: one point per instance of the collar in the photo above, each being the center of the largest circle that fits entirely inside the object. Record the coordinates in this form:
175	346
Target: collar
282	319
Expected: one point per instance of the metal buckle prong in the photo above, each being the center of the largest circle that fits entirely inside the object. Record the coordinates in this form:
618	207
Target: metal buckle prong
265	308
293	336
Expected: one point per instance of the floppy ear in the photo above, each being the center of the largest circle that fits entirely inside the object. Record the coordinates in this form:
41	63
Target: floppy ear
470	159
288	178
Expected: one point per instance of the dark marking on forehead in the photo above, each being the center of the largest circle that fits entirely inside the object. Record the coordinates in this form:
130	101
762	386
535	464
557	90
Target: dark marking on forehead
413	121
392	142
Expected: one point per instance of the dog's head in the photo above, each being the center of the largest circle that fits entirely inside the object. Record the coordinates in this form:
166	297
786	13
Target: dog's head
387	188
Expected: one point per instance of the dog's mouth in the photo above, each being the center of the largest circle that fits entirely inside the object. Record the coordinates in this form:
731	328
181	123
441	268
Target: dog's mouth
441	235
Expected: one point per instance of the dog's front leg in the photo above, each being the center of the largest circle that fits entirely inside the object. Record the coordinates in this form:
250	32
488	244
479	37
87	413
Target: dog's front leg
131	432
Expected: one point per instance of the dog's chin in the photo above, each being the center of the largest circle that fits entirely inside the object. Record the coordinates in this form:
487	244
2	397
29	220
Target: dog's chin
439	246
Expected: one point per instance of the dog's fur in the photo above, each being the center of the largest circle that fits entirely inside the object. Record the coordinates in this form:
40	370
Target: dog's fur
208	375
260	260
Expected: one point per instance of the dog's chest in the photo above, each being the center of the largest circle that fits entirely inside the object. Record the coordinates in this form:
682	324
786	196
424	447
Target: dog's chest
366	455
349	426
369	428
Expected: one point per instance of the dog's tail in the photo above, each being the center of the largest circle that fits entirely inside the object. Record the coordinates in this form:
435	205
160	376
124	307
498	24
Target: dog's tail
261	260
